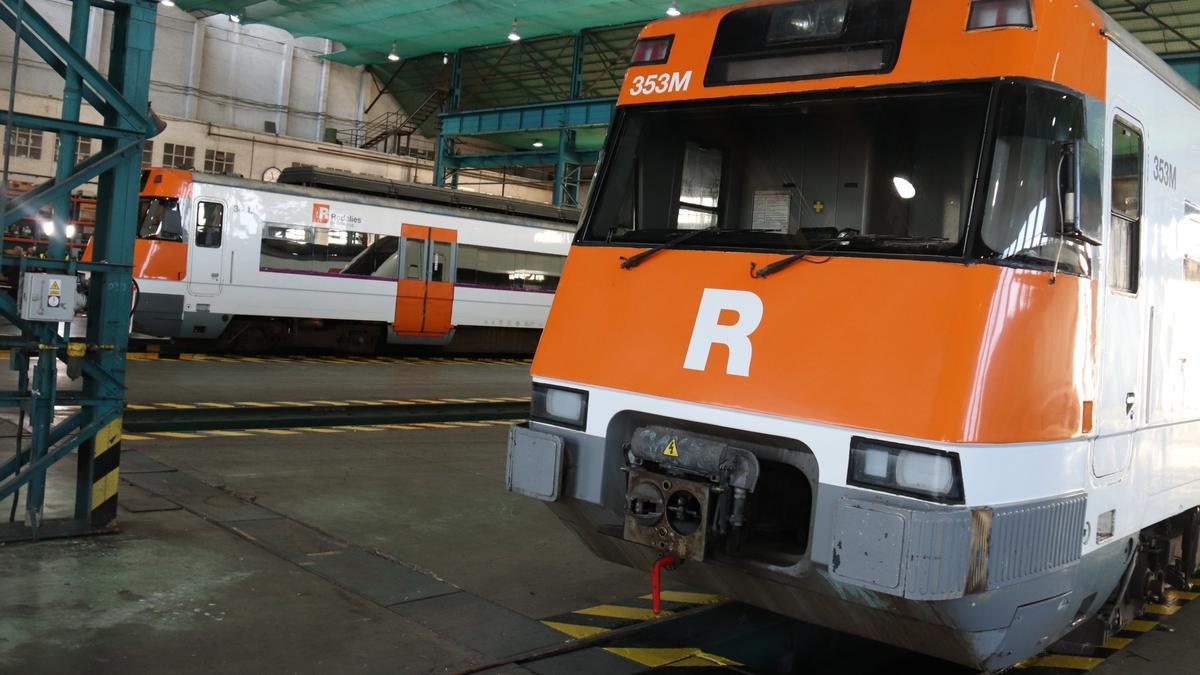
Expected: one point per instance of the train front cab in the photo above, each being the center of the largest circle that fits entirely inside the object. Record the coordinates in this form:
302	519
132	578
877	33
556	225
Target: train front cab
834	343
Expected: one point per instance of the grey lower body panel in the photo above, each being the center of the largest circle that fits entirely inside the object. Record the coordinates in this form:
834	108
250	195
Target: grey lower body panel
934	587
159	314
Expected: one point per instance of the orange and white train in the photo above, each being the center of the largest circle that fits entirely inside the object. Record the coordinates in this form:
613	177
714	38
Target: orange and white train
257	266
886	315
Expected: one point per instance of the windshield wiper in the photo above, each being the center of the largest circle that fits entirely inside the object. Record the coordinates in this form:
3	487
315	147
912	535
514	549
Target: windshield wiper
634	261
778	265
847	236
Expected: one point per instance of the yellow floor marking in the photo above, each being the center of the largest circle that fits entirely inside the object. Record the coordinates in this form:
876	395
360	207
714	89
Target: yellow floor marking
395	402
1140	625
320	430
178	406
331	402
135	406
1166	610
222	432
574	631
432	425
485	400
619	612
277	432
428	400
471	424
358	428
457	400
1173	594
174	434
131	437
1117	643
403	427
1062	661
518	399
217	405
689	597
256	404
359	402
662	656
298	404
251	359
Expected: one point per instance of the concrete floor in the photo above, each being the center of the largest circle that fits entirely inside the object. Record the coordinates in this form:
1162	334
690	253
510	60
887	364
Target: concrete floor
371	552
363	551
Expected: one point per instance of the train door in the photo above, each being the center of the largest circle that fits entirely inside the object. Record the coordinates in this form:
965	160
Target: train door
1122	372
206	262
425	291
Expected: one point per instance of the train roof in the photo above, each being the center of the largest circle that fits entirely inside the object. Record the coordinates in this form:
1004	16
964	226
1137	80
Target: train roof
382	187
1138	50
445	206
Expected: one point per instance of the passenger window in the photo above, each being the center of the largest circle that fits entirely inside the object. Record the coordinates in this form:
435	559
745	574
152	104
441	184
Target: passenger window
700	187
441	270
1125	232
414	257
210	219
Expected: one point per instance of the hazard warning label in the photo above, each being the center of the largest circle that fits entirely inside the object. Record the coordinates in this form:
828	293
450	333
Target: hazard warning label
672	450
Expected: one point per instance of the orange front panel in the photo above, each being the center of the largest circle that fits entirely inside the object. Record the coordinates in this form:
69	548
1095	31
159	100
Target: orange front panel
1066	46
935	350
410	306
154	259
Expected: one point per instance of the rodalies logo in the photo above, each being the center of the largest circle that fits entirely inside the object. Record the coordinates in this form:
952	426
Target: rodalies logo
320	214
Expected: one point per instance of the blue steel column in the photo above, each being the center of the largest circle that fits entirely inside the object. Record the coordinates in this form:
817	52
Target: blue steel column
445	144
115	230
45	372
566	168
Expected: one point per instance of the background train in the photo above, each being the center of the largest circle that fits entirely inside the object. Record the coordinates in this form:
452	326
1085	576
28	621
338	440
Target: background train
253	266
885	315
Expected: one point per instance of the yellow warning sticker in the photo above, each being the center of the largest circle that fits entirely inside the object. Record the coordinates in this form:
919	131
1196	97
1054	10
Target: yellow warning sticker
672	450
55	289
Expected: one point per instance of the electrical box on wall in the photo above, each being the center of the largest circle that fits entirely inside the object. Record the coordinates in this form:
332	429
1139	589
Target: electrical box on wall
47	297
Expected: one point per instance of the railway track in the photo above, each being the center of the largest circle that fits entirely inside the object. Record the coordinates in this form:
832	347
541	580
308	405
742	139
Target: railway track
270	415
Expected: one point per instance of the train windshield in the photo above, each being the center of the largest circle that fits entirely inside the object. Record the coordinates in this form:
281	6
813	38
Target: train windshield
889	173
159	218
1021	216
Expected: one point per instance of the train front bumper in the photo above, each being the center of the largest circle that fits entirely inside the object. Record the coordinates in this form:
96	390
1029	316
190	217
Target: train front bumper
983	586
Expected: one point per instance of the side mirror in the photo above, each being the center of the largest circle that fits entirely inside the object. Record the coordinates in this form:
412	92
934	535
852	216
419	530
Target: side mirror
1080	200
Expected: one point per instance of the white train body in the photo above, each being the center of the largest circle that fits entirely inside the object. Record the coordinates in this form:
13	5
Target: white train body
277	258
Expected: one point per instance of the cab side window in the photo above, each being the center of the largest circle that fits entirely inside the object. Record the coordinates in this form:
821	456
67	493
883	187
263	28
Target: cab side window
210	220
1126	215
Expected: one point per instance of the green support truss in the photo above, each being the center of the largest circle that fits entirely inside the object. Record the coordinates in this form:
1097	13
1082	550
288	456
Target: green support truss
92	431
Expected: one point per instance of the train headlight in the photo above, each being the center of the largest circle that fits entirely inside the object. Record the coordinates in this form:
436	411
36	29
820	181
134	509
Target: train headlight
906	470
558	405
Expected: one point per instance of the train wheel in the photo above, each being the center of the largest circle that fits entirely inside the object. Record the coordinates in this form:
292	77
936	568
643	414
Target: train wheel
251	340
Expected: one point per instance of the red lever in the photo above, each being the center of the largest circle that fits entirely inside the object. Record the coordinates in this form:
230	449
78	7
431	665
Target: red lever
656	581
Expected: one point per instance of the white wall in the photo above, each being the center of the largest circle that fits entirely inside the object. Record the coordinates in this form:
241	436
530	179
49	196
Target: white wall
216	83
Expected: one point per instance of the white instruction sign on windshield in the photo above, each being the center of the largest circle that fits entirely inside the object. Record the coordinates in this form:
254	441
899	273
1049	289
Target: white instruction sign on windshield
772	210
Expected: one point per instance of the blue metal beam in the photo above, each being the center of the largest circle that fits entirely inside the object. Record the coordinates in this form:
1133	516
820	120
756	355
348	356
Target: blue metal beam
590	112
500	159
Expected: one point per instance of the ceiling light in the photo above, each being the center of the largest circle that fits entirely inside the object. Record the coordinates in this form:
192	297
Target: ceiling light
70	231
904	187
512	32
236	18
445	58
47	228
393	56
673	10
537	143
167	3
